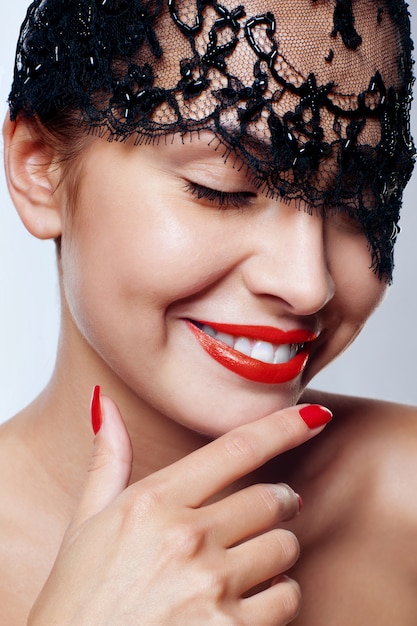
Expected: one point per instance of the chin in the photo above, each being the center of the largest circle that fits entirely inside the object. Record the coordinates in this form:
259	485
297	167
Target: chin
216	414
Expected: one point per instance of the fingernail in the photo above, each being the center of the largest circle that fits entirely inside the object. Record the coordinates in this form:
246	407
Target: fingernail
315	415
300	502
95	408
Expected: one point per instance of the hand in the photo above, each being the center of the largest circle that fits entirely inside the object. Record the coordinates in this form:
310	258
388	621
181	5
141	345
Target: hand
155	553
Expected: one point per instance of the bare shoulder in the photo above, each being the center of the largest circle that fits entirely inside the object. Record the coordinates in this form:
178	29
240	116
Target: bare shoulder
367	422
375	446
385	433
367	407
360	527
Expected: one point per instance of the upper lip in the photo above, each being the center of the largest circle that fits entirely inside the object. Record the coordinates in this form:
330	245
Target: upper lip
262	333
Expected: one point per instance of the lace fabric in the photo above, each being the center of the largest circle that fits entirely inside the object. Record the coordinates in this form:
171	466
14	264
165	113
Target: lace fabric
312	96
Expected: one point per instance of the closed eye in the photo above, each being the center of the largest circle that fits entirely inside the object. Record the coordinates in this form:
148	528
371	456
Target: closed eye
221	199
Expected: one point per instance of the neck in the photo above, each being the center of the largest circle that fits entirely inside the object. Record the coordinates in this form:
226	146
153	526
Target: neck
57	428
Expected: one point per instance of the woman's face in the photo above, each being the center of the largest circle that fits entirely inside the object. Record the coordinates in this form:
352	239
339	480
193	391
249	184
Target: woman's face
169	242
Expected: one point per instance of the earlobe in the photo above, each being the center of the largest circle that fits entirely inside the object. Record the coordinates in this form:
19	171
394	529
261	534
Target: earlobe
31	180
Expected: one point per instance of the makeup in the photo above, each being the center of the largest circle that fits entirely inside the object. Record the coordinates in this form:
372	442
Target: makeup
315	415
95	408
286	352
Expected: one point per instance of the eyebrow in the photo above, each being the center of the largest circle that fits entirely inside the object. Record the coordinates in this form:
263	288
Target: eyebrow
233	133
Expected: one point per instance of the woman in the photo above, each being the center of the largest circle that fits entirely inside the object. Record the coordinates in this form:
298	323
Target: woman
206	275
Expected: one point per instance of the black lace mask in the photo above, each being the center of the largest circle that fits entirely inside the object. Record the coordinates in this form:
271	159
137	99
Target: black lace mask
312	96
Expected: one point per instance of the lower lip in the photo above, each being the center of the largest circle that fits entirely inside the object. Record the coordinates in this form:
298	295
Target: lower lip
245	366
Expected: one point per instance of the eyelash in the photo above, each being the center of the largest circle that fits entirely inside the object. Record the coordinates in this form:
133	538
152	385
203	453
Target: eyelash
242	199
222	199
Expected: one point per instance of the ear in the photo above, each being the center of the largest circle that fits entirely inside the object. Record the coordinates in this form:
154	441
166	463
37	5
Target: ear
32	179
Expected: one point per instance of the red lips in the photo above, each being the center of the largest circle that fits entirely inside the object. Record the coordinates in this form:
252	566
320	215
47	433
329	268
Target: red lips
246	366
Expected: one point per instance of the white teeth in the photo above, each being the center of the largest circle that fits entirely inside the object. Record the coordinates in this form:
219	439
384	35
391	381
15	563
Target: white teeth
243	345
259	350
282	354
229	340
209	331
263	351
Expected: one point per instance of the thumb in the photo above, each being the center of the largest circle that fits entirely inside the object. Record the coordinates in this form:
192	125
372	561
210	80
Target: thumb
111	462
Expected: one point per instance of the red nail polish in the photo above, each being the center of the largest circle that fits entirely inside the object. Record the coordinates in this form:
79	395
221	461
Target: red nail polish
315	415
95	408
300	502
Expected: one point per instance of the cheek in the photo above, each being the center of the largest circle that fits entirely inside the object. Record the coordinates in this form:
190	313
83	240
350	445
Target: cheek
108	262
358	290
124	257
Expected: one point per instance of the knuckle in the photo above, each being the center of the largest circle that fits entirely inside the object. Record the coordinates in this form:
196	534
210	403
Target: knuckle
238	444
291	599
216	585
289	426
287	546
280	499
102	457
141	503
268	497
185	538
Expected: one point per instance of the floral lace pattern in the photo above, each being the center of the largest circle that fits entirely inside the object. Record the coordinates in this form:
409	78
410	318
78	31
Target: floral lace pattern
313	96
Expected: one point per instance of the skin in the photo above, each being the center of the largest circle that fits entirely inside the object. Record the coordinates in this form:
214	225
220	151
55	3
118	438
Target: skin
357	486
140	253
135	220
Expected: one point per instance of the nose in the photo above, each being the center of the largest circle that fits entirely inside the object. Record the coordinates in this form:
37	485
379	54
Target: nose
289	260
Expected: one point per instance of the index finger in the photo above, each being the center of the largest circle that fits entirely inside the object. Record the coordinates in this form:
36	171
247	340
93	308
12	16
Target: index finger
244	449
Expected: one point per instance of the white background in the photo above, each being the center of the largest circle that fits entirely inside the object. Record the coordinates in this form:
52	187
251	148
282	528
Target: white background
381	363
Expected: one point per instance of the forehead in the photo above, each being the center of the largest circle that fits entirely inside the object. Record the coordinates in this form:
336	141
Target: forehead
341	41
351	51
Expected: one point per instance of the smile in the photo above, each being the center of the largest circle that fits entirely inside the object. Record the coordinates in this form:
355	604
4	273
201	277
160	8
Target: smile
258	353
